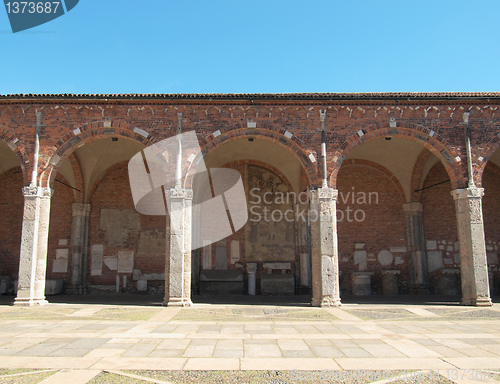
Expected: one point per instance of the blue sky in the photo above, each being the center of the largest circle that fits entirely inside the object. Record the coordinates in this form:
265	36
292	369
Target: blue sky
164	46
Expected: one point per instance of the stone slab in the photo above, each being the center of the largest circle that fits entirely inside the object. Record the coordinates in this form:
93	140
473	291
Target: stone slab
60	264
277	284
300	364
97	252
125	261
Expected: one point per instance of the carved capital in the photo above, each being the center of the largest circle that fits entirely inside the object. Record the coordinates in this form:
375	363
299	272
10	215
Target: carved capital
81	209
467	193
251	268
31	191
324	194
413	207
179	193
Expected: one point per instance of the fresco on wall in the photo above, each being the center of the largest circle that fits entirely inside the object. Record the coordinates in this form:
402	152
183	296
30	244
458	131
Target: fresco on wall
269	232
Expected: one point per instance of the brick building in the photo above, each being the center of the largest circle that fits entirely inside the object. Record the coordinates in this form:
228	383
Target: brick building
402	210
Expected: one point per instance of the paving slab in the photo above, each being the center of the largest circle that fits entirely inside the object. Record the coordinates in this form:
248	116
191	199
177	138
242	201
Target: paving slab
74	376
474	362
156	363
300	364
212	364
394	363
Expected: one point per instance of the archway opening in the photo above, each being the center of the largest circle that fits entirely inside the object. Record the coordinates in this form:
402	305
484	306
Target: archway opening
382	186
270	254
491	216
11	212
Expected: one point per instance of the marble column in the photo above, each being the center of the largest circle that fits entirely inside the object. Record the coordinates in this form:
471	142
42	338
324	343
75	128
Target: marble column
325	264
178	248
33	253
473	265
252	278
79	248
419	284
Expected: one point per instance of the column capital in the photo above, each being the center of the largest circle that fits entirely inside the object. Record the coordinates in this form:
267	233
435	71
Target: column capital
179	193
32	191
414	206
251	268
81	209
467	193
324	194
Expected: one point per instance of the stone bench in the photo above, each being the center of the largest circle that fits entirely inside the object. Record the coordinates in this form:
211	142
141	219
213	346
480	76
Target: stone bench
282	283
221	281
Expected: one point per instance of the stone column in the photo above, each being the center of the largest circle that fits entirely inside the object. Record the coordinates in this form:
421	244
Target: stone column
325	263
252	279
79	248
33	254
473	266
178	252
419	284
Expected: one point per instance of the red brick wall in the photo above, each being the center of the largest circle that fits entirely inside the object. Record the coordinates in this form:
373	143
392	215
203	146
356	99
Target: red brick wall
61	207
491	215
113	192
440	221
11	212
440	224
382	228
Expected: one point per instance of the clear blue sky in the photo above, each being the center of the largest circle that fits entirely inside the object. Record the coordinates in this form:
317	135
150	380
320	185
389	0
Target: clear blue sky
166	46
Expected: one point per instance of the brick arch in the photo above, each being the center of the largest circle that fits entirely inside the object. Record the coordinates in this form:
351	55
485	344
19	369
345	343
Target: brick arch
84	135
421	135
492	146
379	168
416	176
266	132
8	137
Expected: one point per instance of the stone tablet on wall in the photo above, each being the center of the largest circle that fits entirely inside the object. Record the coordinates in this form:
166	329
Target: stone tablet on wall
125	261
60	264
97	258
235	251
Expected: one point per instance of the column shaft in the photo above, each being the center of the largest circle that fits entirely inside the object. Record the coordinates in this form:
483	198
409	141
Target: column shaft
325	264
178	248
79	248
416	248
33	253
473	265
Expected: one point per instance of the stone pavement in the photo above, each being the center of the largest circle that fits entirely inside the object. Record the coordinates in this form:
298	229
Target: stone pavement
81	340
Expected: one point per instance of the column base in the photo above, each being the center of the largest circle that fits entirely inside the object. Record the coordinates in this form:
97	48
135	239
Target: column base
23	302
177	302
325	301
76	291
419	289
478	302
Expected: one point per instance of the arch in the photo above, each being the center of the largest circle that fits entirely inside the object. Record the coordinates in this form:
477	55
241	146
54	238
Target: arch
8	137
294	145
424	136
491	147
84	135
416	176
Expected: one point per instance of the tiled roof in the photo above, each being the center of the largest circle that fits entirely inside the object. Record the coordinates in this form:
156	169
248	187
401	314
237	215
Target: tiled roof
263	96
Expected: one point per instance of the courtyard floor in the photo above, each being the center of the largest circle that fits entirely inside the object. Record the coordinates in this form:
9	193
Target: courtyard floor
133	339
